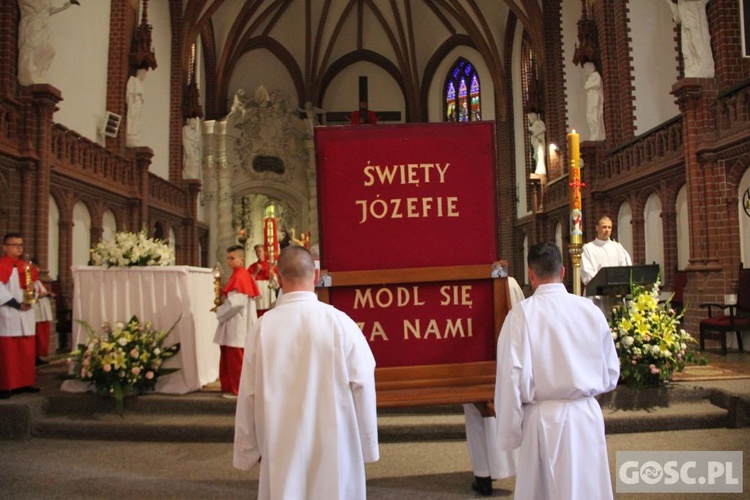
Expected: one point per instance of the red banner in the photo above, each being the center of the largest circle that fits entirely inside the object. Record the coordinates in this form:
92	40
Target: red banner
405	196
423	324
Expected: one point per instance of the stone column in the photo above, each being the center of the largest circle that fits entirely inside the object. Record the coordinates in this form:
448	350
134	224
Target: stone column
312	186
36	189
224	208
190	225
693	99
143	156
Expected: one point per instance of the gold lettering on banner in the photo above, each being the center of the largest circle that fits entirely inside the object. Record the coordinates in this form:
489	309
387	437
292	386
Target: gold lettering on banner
456	295
410	173
376	332
385	297
460	327
412	207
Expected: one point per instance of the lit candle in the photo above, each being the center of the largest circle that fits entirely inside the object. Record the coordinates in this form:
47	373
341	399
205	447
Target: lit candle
574	181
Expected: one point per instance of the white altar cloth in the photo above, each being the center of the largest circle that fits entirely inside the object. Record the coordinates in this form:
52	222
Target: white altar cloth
159	294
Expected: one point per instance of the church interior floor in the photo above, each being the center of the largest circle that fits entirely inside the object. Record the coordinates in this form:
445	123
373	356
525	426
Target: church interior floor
45	468
41	467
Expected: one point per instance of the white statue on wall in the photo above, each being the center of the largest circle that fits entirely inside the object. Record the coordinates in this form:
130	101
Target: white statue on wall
135	97
594	102
191	144
238	105
312	114
35	51
695	37
537	130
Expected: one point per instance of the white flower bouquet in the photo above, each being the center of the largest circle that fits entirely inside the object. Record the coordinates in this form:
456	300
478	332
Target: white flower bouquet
122	358
648	338
132	249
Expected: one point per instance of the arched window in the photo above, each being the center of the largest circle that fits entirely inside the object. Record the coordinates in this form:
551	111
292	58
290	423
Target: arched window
462	93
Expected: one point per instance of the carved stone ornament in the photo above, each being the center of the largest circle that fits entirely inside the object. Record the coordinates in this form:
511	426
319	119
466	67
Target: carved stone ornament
271	144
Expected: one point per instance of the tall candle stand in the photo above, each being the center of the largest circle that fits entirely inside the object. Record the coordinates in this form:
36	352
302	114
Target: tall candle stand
575	247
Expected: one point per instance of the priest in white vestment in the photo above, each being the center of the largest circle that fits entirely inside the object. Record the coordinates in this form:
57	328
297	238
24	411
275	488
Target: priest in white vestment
306	408
554	354
602	252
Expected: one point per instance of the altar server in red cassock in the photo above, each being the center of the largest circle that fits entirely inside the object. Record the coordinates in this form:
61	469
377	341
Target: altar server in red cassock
236	316
43	315
17	323
265	277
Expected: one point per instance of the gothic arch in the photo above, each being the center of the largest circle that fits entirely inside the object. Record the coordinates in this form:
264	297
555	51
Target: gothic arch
374	58
434	62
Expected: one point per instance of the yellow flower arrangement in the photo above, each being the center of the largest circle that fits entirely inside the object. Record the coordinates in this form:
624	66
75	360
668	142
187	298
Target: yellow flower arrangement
121	358
649	340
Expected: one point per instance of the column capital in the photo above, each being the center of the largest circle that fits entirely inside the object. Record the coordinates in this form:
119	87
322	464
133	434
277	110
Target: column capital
690	90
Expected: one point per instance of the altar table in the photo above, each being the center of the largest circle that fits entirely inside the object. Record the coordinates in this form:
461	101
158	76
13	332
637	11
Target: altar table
160	295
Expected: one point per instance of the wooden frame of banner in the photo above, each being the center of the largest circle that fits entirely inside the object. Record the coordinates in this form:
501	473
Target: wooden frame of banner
426	385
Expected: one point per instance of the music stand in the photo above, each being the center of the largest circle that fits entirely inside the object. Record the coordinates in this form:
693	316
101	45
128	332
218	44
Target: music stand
616	281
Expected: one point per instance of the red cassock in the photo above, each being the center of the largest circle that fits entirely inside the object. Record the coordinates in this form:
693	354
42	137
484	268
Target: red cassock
230	360
241	282
260	270
17	353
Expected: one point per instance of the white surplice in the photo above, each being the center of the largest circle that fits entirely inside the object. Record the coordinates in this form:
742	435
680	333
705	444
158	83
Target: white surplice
14	322
602	253
481	431
43	306
306	404
236	317
555	352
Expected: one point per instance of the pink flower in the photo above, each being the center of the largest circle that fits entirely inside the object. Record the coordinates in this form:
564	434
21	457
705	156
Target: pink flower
135	370
107	368
149	375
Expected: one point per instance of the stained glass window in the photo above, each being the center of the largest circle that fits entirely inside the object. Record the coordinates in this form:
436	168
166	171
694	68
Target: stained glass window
462	93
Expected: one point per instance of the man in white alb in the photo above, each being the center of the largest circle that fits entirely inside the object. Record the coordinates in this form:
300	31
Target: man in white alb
307	395
554	354
602	252
487	462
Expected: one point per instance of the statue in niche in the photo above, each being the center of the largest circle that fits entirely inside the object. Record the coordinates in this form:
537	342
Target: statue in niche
191	143
537	130
694	36
594	102
35	51
135	97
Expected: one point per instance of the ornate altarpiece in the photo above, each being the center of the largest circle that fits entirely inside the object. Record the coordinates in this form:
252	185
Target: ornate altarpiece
261	153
